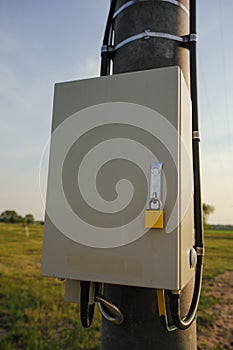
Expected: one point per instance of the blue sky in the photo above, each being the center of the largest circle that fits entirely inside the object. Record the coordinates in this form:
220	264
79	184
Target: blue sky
43	42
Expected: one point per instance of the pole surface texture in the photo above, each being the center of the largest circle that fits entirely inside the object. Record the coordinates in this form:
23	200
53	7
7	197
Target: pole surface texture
141	327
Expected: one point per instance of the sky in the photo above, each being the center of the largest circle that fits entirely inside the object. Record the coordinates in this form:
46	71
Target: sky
44	42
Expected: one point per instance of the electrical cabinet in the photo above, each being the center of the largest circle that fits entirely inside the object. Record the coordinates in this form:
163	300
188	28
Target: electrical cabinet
106	133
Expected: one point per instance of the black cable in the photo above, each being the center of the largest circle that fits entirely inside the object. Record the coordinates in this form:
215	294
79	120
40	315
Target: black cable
184	323
195	128
105	59
86	309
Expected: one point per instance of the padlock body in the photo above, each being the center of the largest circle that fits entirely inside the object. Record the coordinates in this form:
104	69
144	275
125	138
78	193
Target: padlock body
154	218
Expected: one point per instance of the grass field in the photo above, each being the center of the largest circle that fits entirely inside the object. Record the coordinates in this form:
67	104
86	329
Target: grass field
218	260
33	314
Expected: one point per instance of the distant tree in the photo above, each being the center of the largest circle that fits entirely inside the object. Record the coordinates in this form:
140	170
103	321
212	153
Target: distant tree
207	210
10	216
29	219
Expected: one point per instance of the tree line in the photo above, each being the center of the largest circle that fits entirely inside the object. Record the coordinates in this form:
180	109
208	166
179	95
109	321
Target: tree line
12	217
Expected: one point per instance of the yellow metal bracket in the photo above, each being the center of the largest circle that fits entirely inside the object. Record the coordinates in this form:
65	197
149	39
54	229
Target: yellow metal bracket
163	312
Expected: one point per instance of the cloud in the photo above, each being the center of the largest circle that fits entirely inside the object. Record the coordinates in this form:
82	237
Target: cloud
87	69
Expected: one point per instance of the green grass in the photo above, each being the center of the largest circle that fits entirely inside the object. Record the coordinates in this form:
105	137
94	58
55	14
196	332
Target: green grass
219	253
218	259
33	315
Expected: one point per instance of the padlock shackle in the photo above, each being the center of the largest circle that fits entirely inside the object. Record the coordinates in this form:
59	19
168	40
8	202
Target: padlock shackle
155	201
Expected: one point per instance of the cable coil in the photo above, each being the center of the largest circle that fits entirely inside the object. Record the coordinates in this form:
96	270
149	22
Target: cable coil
109	311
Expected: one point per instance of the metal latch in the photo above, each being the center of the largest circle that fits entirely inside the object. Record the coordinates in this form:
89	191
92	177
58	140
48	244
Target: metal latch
154	216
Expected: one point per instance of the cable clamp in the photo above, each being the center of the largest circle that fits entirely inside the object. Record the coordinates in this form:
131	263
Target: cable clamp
104	48
193	37
200	251
107	48
146	34
190	38
196	135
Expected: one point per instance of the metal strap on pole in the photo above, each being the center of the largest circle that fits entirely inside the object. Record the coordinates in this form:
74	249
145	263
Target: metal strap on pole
133	2
147	34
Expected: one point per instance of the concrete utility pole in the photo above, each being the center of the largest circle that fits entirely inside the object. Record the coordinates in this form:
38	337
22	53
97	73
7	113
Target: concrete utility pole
141	327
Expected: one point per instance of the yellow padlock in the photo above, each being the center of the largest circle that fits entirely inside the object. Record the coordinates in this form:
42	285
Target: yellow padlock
154	218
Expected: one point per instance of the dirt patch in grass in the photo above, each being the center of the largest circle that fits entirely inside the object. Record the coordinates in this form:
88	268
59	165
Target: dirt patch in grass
216	323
